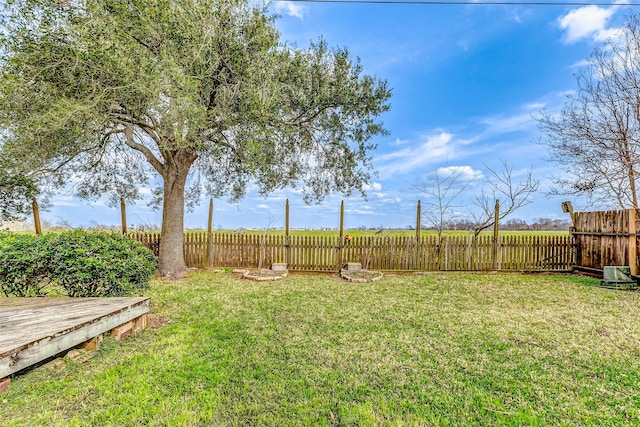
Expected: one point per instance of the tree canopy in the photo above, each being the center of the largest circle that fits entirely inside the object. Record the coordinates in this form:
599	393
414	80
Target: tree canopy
201	92
16	193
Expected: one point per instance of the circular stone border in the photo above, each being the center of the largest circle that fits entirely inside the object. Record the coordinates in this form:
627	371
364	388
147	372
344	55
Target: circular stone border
262	275
363	276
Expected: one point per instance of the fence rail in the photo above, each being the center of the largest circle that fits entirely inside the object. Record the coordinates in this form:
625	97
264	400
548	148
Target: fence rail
387	253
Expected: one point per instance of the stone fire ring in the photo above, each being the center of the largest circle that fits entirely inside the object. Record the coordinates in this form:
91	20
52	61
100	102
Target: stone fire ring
261	275
362	276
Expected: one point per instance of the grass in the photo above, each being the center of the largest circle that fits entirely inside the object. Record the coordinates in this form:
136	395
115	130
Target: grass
441	349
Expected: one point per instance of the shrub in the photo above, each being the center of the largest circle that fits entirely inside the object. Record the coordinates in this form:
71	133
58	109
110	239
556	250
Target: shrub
82	263
99	264
24	264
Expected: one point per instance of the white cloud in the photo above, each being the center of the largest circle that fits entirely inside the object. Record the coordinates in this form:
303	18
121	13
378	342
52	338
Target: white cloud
534	106
399	141
501	125
363	210
373	186
292	9
498	125
455	178
390	200
608	34
581	64
434	149
262	206
466	173
63	200
480	137
588	21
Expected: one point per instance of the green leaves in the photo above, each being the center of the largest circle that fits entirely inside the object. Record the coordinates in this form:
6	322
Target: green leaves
210	77
203	91
16	191
23	265
82	264
99	264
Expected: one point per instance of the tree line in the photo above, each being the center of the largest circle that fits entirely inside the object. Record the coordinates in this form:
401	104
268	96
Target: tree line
511	224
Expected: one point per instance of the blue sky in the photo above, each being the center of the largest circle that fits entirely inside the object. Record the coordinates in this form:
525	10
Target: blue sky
466	81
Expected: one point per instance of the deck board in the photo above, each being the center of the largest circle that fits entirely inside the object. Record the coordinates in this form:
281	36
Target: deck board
33	329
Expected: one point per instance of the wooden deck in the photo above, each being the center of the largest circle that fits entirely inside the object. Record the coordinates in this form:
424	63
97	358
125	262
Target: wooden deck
34	329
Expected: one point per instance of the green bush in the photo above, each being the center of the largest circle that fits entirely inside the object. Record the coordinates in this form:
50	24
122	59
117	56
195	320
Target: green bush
24	264
99	264
82	263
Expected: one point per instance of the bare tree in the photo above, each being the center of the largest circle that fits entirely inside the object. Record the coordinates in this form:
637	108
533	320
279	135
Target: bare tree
510	194
443	192
596	136
447	188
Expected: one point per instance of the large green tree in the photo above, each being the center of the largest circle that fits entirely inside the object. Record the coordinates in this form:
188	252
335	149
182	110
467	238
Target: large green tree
202	92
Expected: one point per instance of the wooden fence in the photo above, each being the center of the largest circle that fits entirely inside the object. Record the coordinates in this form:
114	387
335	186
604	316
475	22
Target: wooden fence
605	238
386	253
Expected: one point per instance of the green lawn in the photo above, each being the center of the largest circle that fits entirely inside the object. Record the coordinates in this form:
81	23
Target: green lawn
441	349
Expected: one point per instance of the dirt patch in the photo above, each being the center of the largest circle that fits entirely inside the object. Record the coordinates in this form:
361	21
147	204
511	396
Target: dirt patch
156	321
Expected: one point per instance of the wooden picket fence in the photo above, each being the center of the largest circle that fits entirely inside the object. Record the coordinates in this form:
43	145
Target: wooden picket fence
386	253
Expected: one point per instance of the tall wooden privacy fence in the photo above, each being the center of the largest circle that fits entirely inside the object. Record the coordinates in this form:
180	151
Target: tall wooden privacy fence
387	253
606	238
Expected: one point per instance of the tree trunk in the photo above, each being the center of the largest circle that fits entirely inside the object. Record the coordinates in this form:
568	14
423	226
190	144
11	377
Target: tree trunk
171	261
632	189
631	175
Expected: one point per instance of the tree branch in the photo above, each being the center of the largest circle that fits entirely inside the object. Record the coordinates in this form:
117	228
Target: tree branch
148	154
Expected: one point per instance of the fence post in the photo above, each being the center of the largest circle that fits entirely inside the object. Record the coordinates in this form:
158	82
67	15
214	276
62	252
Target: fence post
210	235
286	234
340	241
341	221
573	244
418	227
36	215
495	234
633	254
123	215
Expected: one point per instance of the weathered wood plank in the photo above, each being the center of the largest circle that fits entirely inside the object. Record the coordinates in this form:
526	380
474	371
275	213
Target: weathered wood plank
37	328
